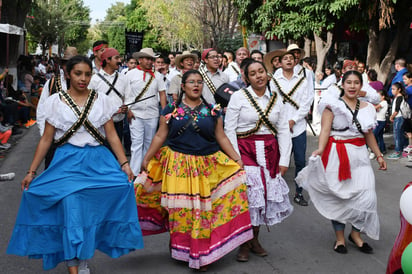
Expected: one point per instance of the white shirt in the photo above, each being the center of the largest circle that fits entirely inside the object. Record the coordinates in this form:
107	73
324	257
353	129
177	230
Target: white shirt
218	79
381	113
233	71
42	68
309	76
62	117
174	86
303	96
102	87
95	69
241	116
327	82
149	108
41	106
172	73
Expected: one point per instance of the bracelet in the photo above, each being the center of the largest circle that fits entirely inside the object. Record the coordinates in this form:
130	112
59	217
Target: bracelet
380	156
124	163
32	172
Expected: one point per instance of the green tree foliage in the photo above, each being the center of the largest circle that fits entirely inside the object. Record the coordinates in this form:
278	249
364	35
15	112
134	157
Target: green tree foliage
78	18
45	24
112	28
59	21
384	20
293	19
175	23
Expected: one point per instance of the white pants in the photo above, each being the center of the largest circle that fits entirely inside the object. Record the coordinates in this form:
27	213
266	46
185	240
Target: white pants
141	133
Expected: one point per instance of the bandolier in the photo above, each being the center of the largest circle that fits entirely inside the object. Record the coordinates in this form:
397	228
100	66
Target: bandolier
82	118
263	115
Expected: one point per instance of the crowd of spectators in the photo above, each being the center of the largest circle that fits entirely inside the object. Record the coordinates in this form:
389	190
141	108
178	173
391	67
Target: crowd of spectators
19	97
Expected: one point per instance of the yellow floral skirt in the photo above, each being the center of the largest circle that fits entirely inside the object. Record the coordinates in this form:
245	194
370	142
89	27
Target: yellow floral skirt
201	200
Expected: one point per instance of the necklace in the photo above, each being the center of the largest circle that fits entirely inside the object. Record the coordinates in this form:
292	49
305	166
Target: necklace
79	100
350	103
193	104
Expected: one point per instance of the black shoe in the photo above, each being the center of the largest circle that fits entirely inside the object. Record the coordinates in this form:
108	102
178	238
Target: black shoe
365	248
341	249
300	200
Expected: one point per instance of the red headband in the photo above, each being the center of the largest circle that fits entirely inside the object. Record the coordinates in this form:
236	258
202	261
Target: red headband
349	63
206	52
96	48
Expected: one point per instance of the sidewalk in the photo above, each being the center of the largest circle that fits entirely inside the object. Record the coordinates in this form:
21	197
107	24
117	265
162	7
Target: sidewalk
13	141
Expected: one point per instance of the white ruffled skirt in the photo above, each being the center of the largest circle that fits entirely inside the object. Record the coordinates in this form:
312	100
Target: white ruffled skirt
270	207
350	201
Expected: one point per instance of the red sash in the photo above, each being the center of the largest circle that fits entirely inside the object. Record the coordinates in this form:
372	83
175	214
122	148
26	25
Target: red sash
247	150
344	165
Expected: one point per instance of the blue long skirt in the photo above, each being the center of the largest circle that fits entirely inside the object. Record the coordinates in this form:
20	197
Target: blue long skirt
81	203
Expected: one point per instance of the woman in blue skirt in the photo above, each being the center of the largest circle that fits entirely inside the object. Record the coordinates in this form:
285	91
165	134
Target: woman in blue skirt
84	201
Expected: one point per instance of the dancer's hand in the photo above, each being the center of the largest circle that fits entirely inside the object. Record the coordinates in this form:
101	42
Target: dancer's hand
283	170
382	163
317	152
145	163
26	181
126	169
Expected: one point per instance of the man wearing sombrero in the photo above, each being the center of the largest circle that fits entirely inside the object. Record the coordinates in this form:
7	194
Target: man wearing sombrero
271	60
184	62
146	87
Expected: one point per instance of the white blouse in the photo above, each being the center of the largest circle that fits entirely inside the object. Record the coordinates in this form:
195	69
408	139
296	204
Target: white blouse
241	116
342	117
61	117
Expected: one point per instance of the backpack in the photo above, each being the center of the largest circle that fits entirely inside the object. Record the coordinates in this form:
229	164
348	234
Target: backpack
405	109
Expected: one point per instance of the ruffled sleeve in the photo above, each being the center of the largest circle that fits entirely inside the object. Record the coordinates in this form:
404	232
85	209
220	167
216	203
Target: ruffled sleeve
103	110
336	105
53	112
343	118
367	118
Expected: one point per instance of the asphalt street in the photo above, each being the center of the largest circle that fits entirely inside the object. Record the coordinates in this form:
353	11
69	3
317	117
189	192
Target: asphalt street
301	244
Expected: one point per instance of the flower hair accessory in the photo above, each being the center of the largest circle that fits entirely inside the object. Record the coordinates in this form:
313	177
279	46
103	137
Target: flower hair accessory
172	114
215	108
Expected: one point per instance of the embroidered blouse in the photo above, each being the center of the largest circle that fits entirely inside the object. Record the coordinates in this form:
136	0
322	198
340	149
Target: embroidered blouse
190	141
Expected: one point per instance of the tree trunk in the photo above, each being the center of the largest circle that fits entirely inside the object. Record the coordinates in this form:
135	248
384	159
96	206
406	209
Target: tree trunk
307	47
322	49
375	49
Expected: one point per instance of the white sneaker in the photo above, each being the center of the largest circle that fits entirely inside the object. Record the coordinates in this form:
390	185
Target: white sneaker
372	155
7	176
5	146
83	269
407	149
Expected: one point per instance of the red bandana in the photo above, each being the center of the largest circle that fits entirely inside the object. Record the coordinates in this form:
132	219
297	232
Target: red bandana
145	70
